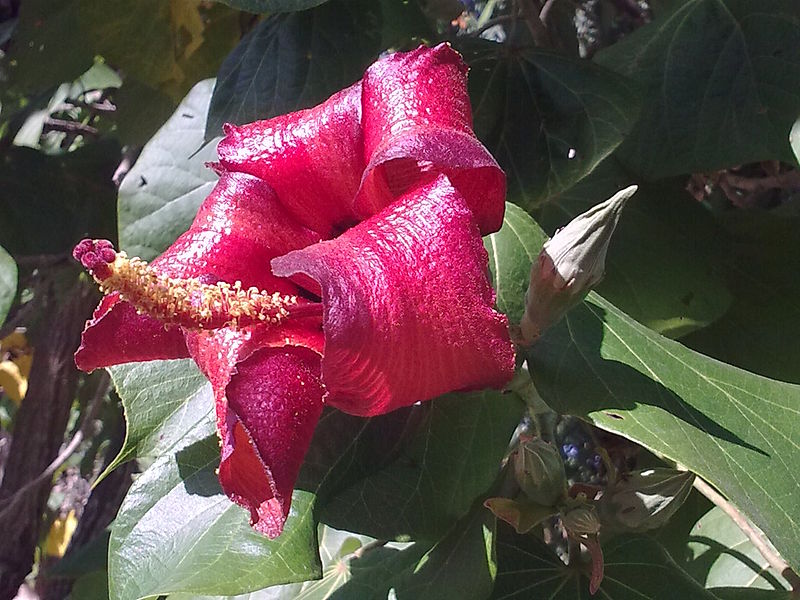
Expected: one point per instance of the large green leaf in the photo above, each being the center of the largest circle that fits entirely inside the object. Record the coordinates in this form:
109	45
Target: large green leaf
709	416
272	6
636	568
662	267
161	193
8	283
48	203
167	405
293	61
453	457
720	80
175	518
547	118
762	269
176	507
721	555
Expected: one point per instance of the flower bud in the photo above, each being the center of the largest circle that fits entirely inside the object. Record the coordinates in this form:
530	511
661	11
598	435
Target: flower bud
539	470
581	520
570	264
644	499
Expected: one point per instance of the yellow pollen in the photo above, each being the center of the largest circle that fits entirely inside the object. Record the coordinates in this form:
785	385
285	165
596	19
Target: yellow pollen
190	303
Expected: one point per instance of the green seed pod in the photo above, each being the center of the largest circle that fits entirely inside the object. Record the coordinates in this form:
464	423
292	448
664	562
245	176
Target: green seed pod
539	470
644	500
581	520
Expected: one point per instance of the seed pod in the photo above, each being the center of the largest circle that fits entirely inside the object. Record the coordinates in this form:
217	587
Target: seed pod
644	500
581	520
539	470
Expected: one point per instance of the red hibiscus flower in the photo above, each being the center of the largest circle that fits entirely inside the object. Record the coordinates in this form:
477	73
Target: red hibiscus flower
338	260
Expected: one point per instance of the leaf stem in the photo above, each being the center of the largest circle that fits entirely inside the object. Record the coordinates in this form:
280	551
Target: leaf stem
756	537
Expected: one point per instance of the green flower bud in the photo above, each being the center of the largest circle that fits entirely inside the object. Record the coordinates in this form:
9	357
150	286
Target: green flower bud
581	520
644	500
570	264
539	470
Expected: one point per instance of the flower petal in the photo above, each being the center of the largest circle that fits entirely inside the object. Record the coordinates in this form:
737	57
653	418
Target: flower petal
116	334
408	307
268	399
312	158
240	226
417	123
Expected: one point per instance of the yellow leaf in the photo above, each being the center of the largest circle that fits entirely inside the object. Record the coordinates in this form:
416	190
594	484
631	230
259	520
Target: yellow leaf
59	535
12	381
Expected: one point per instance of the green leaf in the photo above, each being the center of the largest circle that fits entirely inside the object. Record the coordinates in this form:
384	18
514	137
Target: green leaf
512	250
92	586
719	554
162	44
636	568
461	566
167	405
48	203
8	283
293	61
662	266
708	416
453	457
761	267
272	6
547	118
160	195
176	507
720	82
175	518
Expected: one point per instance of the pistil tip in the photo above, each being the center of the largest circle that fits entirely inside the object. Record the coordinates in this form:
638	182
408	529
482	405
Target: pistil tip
94	254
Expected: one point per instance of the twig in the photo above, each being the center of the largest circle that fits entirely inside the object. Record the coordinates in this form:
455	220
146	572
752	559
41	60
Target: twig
360	552
786	180
69	127
755	536
91	412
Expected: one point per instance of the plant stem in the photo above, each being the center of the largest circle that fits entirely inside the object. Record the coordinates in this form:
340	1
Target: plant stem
755	536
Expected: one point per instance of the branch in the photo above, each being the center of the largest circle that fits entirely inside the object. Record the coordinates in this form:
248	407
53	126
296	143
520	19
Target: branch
755	536
91	412
69	127
538	31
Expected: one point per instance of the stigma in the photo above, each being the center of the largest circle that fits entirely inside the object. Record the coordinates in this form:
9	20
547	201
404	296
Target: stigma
187	302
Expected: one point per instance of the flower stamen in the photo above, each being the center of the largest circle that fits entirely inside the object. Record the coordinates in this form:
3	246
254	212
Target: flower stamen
186	302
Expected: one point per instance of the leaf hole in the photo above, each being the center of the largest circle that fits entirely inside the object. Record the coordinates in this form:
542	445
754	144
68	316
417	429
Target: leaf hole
614	416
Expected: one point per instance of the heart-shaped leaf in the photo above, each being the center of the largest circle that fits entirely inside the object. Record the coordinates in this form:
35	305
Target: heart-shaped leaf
293	61
547	118
720	84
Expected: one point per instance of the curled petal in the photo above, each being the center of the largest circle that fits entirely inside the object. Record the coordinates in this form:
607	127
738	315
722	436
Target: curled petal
116	334
312	158
417	123
238	229
408	307
268	400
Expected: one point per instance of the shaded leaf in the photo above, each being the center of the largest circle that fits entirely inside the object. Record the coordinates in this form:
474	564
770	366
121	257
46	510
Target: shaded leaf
721	555
720	83
547	118
708	416
453	457
160	195
8	283
461	566
272	6
522	515
662	266
635	568
293	61
50	202
761	267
